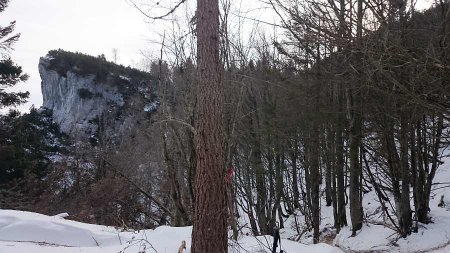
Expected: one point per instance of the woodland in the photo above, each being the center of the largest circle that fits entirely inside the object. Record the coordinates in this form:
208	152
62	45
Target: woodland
351	97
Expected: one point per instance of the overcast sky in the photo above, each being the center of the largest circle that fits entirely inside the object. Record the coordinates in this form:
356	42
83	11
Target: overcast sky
90	26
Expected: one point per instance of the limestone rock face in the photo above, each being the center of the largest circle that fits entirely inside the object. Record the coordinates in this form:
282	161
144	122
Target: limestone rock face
82	106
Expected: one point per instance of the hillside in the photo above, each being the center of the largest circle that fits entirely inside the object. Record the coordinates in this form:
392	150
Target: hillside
325	129
24	232
84	92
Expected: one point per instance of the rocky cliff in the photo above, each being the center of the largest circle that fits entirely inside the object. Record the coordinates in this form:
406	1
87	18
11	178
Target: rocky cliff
89	96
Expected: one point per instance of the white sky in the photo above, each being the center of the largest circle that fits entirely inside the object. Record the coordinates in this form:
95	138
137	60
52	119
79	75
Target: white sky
93	27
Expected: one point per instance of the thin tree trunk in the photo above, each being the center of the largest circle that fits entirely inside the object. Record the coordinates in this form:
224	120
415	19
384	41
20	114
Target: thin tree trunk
329	167
355	116
341	213
295	175
420	204
315	181
406	219
356	209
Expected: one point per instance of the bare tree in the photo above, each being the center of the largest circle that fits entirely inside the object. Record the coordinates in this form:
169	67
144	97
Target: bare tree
115	54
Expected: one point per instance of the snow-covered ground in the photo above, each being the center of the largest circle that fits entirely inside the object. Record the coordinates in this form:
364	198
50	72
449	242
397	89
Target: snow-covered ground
25	232
376	237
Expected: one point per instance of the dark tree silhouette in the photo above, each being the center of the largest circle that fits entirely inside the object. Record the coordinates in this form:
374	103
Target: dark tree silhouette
10	73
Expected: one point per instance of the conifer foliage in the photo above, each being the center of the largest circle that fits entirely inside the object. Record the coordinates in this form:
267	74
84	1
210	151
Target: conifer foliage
10	73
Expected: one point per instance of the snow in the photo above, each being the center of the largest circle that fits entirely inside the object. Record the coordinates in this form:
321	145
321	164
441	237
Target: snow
151	107
375	237
56	157
370	238
48	57
377	234
23	232
126	78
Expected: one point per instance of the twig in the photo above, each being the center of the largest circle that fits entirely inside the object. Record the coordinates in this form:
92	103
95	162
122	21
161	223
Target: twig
172	10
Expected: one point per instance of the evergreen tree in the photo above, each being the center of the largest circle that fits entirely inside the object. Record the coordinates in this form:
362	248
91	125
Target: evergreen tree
10	73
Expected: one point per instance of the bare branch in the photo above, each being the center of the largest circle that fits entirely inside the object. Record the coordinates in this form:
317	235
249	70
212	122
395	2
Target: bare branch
172	10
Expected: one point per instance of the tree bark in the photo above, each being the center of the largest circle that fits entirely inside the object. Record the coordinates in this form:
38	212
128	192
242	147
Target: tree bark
329	166
210	209
315	180
406	219
356	209
340	167
295	190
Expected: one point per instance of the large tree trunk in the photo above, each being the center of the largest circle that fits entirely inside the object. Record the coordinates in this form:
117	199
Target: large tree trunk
210	209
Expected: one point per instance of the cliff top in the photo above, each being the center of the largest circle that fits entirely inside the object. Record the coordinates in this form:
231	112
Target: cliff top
63	61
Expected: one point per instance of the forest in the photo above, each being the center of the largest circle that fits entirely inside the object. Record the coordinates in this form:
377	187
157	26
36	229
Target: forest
350	102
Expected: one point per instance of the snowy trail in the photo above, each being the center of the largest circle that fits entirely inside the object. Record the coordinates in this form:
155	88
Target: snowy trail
25	232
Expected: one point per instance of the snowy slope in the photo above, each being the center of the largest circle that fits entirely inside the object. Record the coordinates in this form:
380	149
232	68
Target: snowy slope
25	232
433	237
377	235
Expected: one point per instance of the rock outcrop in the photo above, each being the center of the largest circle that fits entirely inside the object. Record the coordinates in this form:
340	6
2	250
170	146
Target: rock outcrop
97	97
